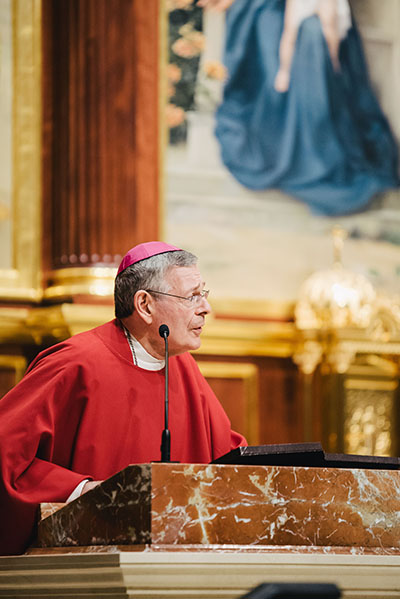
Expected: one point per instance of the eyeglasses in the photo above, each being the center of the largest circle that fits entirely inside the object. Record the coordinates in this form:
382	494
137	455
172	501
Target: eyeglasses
193	300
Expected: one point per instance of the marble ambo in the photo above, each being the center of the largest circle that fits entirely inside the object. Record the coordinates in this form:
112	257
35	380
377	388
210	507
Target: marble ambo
173	505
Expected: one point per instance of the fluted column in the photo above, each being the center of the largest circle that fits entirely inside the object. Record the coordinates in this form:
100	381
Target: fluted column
101	165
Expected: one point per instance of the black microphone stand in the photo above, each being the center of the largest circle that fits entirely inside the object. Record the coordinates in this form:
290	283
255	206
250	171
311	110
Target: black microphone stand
166	435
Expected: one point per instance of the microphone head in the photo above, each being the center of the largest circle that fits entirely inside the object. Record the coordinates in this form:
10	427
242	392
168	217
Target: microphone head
163	331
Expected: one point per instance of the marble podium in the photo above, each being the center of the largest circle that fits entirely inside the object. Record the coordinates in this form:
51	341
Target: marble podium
216	531
185	505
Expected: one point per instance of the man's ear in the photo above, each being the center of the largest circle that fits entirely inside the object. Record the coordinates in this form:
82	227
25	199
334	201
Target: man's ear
143	303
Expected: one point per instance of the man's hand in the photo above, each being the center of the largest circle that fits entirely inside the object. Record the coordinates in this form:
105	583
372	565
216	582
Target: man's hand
91	484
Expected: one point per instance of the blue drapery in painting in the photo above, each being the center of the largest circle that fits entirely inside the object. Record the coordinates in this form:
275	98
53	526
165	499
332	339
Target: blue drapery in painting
326	140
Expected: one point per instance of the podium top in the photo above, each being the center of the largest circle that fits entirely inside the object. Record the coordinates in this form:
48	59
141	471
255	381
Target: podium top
304	454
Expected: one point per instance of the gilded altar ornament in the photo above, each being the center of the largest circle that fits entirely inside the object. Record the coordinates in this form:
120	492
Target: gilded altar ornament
368	417
385	323
346	327
335	298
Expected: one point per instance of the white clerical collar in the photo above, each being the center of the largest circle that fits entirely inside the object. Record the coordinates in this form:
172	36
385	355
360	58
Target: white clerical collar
140	356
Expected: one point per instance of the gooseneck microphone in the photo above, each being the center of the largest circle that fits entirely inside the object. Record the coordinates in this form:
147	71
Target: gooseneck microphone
166	435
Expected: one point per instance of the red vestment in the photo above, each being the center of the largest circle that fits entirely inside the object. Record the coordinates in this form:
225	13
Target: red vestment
84	410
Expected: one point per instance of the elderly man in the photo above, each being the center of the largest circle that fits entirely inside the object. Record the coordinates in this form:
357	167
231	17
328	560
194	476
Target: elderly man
91	405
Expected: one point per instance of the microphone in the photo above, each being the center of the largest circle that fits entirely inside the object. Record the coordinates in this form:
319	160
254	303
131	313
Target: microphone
166	436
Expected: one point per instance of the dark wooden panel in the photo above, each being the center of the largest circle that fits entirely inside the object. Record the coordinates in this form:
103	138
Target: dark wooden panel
232	396
236	386
281	408
277	409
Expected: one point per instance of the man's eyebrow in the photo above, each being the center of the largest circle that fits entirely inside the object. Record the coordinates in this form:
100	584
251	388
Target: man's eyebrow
199	286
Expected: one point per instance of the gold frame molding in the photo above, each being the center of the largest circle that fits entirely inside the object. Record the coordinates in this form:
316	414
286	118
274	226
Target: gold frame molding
22	281
92	281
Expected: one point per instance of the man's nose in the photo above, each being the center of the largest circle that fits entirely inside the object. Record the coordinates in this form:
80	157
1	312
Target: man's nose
204	307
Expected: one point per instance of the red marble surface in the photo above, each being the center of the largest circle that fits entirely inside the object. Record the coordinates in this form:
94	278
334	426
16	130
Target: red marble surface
241	508
115	512
275	505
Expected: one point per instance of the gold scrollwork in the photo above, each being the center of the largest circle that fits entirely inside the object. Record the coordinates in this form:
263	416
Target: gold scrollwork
368	417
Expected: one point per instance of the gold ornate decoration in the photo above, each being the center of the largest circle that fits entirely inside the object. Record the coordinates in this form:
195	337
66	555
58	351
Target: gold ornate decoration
385	322
339	314
335	298
308	355
346	327
368	416
69	282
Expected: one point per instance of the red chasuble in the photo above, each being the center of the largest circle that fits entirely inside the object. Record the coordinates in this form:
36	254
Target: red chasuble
83	410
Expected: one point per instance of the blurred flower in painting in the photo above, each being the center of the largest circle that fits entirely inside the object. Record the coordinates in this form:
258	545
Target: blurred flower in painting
198	40
174	73
174	115
213	69
184	48
185	44
208	90
171	89
190	45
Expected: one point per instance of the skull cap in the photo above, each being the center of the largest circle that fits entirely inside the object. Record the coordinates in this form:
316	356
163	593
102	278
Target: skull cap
143	251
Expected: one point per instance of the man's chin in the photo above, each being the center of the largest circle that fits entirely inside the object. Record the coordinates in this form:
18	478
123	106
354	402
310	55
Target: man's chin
192	346
195	343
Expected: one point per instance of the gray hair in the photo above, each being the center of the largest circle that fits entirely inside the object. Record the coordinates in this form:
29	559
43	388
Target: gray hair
146	274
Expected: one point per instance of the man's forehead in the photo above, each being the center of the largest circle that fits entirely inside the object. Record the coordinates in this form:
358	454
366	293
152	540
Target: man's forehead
189	276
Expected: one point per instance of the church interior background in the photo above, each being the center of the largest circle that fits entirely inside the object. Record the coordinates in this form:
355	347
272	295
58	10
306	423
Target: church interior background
304	340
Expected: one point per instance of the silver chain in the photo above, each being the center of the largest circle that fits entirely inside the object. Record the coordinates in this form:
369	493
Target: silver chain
129	336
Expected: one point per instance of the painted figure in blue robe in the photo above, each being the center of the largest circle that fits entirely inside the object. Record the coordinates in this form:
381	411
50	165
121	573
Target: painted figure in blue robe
325	140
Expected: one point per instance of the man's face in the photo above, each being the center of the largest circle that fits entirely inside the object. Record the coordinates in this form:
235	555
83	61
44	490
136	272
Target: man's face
184	319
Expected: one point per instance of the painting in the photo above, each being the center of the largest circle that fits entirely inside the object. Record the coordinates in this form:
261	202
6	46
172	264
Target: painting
257	247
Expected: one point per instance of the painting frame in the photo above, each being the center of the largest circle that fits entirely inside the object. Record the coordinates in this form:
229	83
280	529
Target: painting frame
21	280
